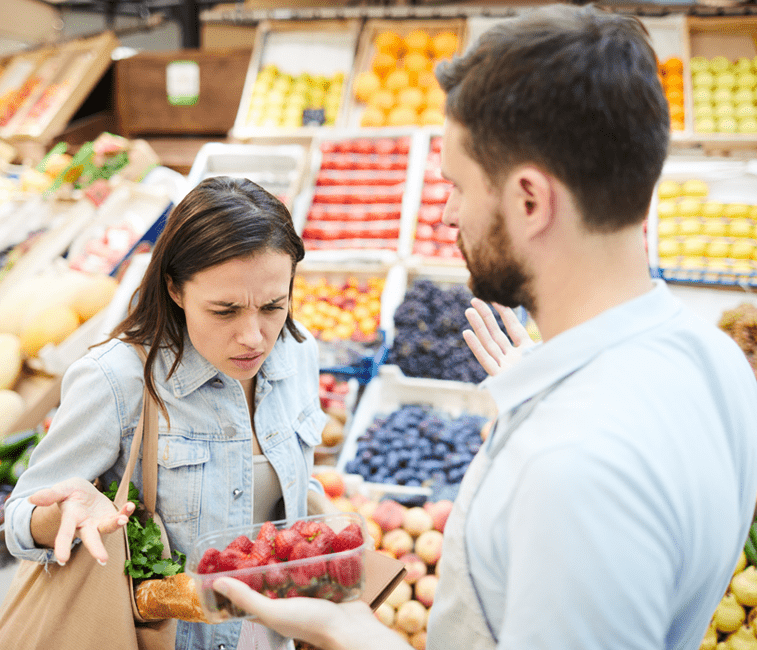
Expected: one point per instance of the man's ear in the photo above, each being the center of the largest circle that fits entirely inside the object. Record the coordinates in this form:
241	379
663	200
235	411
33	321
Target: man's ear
175	295
529	198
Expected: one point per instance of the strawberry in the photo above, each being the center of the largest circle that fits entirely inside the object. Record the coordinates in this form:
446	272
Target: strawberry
298	525
243	544
323	543
349	538
263	548
303	575
347	571
284	543
328	590
254	579
270	593
292	592
267	531
209	561
229	559
275	574
310	529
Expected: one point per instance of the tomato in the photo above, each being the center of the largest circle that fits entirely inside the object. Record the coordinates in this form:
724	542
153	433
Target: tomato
363	145
436	193
424	248
430	214
384	146
424	232
403	144
328	146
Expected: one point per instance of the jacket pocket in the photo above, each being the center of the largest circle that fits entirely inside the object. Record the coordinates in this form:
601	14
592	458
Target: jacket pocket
181	465
309	426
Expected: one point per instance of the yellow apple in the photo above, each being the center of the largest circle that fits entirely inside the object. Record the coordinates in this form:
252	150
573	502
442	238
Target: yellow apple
701	95
668	247
712	209
715	227
705	125
743	96
719	64
703	79
747	109
717	248
724	110
690	207
667	228
694	246
727	125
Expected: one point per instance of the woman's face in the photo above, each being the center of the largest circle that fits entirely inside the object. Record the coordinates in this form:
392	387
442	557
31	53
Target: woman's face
236	310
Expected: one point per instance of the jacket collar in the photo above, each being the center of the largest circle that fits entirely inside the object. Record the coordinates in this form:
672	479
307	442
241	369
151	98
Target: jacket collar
194	370
545	364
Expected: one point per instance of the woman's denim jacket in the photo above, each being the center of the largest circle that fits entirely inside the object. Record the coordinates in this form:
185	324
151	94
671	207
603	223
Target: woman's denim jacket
205	473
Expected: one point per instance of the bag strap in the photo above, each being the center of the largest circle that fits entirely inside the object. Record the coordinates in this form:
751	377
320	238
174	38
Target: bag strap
145	434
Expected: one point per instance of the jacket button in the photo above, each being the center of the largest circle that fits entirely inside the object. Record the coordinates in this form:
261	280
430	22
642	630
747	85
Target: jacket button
217	383
221	646
237	493
229	431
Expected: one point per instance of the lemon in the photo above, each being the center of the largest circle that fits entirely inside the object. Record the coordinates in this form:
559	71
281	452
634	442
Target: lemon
690	207
736	211
740	227
669	247
691	226
695	187
667	228
669	189
667	209
717	248
712	209
694	246
742	249
715	227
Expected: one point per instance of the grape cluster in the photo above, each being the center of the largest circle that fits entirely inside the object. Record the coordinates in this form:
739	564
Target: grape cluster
416	445
428	339
741	325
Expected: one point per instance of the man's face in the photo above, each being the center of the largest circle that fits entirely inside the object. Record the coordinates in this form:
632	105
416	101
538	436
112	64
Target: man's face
498	274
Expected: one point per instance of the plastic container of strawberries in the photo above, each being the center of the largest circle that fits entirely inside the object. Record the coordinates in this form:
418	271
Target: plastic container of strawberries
244	554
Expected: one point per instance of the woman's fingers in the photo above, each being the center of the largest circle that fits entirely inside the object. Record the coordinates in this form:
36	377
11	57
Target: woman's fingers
90	537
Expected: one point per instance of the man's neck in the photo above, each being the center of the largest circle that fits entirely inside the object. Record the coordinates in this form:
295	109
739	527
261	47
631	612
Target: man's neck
602	272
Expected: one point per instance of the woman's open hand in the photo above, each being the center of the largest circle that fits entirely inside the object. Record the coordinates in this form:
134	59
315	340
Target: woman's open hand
80	510
489	343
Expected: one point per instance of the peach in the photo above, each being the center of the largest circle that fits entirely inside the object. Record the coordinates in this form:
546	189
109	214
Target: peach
375	531
439	512
417	520
418	640
403	635
411	617
366	508
400	594
398	541
425	587
343	504
416	568
429	546
389	514
386	614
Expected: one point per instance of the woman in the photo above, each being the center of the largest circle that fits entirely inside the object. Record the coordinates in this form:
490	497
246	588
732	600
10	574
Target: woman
236	381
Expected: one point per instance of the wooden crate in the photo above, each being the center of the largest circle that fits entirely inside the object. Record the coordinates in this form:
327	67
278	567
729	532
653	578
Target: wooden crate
402	27
64	77
732	37
152	90
321	46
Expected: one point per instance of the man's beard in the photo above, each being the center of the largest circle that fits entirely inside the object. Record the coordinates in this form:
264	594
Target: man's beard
495	274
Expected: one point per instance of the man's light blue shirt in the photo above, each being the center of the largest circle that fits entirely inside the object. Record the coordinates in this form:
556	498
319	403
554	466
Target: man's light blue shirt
615	514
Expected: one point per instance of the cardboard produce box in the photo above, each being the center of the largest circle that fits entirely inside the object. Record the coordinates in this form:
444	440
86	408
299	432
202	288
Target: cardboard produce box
180	92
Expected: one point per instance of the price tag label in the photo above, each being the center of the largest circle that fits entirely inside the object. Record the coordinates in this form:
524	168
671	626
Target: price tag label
183	83
313	117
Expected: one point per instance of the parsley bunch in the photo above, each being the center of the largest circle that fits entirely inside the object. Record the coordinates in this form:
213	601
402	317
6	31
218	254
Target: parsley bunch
144	544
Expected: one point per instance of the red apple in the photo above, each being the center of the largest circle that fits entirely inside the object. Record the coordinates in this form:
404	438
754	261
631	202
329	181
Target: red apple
415	566
429	546
425	587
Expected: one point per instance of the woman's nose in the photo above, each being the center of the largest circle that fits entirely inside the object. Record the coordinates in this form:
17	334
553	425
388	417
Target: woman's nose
251	334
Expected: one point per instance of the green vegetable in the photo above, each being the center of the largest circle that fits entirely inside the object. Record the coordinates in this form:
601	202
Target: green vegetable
750	551
145	546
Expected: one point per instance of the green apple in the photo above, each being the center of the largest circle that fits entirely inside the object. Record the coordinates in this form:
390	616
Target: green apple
698	64
745	110
743	96
705	125
727	125
703	110
743	64
746	80
748	125
704	79
725	80
722	96
719	64
702	95
724	110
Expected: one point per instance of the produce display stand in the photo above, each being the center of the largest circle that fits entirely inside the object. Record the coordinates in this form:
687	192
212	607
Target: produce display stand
47	87
323	48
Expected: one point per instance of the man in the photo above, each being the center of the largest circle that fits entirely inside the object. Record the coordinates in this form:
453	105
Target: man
608	507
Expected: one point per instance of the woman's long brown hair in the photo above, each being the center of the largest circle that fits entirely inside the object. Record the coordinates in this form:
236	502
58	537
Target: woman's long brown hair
221	219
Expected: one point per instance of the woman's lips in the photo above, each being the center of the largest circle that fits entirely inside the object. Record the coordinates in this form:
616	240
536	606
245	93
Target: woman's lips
246	362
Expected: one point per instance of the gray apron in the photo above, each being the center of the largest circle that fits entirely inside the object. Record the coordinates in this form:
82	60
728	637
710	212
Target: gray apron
457	618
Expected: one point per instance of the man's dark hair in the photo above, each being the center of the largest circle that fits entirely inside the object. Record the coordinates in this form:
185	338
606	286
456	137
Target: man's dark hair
575	91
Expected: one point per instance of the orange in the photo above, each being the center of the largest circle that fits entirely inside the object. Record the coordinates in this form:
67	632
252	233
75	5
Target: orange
435	98
674	96
676	113
389	43
427	80
397	80
673	81
417	40
416	62
372	116
401	116
431	117
383	63
677	125
382	99
673	65
445	44
366	83
411	98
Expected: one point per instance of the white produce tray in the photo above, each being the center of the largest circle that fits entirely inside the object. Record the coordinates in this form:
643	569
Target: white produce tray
390	390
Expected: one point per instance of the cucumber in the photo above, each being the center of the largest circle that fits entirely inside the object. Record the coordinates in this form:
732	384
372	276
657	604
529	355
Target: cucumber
21	464
11	446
